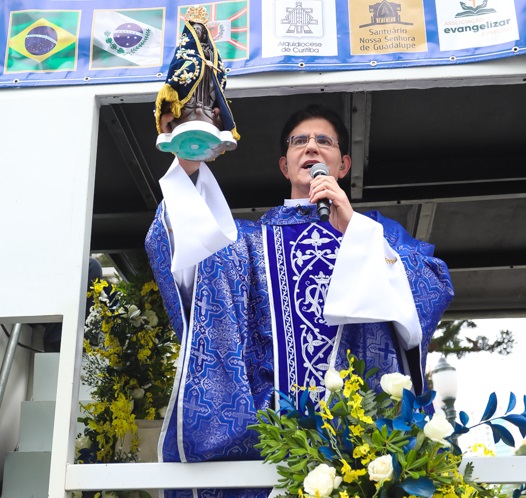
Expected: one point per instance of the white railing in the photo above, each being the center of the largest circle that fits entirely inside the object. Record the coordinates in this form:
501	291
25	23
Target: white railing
242	474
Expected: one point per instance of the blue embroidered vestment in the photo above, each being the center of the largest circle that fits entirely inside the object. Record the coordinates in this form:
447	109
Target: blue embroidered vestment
257	323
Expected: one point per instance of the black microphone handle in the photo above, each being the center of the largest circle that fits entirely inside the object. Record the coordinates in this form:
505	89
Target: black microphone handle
323	205
324	209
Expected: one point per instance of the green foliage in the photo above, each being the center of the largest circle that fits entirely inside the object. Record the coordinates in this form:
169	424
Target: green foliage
360	443
449	339
129	350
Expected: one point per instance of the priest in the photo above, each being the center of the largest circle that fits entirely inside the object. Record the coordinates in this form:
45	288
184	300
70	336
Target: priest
273	304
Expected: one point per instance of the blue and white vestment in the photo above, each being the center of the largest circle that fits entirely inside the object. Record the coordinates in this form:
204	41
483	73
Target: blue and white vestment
275	303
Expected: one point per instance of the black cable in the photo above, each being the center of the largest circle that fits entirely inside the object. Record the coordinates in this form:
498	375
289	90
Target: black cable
34	350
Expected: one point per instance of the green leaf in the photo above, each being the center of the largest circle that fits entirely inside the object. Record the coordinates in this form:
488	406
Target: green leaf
420	438
301	438
410	457
371	372
313	452
359	367
298	451
298	477
378	439
299	466
420	462
468	472
279	456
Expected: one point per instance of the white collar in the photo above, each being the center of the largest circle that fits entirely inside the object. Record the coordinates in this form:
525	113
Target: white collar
297	202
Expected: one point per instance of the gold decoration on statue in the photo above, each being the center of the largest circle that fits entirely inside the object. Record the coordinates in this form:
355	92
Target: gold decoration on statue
197	14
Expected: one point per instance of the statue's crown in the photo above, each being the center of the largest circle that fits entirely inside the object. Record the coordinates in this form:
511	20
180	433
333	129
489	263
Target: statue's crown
197	14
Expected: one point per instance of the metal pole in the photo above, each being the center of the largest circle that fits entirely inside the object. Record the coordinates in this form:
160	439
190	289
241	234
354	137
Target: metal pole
7	362
451	414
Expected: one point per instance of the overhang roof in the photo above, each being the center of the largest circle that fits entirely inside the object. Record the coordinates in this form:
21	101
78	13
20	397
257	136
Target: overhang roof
448	163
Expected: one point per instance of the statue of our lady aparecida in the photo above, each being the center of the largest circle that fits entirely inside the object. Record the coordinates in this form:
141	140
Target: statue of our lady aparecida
194	94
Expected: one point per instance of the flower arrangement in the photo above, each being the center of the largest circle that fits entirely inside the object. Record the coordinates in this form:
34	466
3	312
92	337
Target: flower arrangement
359	443
129	351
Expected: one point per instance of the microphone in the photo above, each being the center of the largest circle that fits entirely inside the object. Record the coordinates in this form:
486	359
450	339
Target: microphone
323	205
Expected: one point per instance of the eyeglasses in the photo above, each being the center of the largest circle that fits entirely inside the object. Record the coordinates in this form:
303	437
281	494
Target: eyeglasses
324	141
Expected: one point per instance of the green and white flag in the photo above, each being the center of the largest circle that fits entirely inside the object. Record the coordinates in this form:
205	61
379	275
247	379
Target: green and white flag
228	25
127	38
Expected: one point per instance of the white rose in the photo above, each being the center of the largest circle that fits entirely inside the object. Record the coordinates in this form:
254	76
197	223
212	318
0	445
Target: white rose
395	383
137	393
438	428
82	442
321	481
381	469
133	314
151	317
162	411
333	380
133	311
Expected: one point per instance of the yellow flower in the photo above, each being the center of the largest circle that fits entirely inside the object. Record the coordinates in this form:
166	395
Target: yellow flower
98	286
329	427
150	415
106	326
468	492
87	347
149	286
354	475
352	385
345	466
481	448
356	430
325	411
361	451
446	491
142	354
344	494
349	474
355	403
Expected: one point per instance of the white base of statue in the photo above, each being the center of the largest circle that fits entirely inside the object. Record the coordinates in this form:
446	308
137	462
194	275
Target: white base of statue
196	141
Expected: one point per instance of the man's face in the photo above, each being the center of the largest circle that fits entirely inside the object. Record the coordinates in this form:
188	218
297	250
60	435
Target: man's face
298	161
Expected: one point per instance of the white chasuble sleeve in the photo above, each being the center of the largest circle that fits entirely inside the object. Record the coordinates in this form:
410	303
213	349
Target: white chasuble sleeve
369	283
199	215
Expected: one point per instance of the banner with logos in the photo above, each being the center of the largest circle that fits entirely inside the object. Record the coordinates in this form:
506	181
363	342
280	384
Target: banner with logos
78	42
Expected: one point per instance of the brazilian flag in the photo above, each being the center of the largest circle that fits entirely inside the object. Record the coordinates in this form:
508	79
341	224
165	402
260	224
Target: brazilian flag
42	41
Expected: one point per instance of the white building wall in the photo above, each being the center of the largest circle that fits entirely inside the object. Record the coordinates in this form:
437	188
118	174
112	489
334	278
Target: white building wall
48	138
47	167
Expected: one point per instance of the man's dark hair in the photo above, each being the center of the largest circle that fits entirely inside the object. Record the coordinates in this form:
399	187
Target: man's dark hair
314	111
